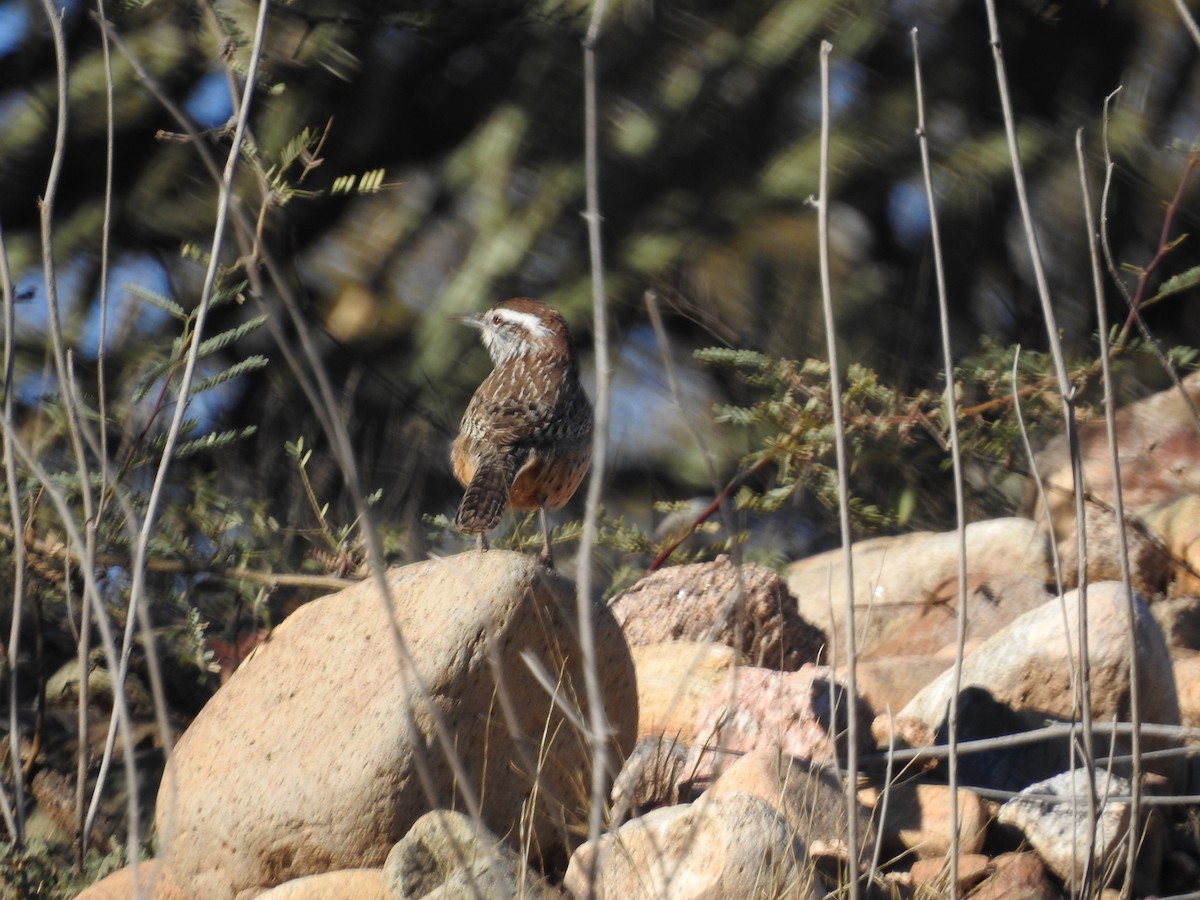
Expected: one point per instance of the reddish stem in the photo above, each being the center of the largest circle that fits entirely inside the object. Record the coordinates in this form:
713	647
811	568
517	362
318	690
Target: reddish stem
1164	244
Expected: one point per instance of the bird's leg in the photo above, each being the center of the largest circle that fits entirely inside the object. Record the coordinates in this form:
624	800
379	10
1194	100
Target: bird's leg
481	543
546	558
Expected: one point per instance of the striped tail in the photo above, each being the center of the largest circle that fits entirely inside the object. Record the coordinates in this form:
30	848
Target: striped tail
487	494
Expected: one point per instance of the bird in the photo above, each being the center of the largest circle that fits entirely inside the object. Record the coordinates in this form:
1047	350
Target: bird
525	441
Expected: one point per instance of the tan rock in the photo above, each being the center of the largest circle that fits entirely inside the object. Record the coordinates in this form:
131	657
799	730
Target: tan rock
890	682
934	874
908	585
1179	619
1027	666
343	884
917	818
1187	681
119	885
1016	875
730	846
792	711
306	760
747	608
1177	524
673	681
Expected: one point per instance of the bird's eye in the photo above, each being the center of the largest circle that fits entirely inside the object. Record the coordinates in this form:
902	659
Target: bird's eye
496	320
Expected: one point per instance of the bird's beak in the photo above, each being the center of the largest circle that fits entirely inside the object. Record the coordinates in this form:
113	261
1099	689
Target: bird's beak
473	319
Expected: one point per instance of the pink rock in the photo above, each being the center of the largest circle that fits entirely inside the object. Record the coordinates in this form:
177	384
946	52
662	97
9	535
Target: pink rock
791	711
747	608
1159	450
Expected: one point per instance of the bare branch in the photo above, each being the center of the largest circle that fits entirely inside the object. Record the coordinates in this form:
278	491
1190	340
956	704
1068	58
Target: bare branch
597	720
843	471
1067	391
955	455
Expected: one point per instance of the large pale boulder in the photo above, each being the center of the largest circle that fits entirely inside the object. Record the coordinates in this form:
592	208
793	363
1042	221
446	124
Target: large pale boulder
326	746
1027	667
908	585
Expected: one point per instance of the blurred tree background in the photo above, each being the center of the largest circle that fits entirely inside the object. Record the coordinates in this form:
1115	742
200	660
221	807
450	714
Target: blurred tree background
415	160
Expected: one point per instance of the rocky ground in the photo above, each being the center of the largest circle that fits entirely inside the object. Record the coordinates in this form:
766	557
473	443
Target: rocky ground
434	743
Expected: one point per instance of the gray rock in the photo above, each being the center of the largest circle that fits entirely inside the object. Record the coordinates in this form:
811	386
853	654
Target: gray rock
1053	815
449	855
650	777
730	846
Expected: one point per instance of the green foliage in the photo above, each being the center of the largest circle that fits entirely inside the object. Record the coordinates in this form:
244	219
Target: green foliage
898	444
793	420
44	870
339	544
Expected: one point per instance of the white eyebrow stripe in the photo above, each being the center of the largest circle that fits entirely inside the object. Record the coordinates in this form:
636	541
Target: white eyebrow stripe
528	321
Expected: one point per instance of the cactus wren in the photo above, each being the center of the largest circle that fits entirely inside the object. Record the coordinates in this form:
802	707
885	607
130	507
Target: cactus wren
526	438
